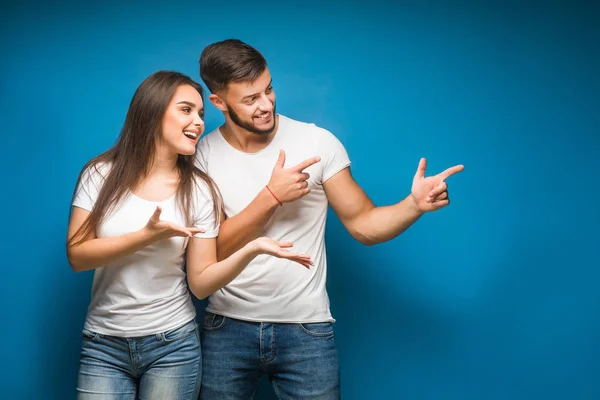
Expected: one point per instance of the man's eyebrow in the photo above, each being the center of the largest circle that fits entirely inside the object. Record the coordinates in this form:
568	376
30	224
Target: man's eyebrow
254	94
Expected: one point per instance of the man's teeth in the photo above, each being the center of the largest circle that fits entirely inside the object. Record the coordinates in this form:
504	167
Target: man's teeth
264	116
191	135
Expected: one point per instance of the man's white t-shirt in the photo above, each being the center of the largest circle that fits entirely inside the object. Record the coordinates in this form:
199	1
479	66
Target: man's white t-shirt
143	293
272	289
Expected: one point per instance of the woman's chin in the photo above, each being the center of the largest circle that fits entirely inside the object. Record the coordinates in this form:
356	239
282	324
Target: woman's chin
188	151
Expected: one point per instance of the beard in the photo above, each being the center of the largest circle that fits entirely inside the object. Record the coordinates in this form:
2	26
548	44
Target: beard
249	126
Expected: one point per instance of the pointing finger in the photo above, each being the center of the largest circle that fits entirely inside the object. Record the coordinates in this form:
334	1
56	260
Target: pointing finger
306	163
451	171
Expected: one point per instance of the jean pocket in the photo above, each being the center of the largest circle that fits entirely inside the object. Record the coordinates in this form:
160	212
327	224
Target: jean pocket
179	333
89	335
318	329
213	322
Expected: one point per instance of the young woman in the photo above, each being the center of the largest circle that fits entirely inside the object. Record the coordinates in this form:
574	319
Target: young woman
140	211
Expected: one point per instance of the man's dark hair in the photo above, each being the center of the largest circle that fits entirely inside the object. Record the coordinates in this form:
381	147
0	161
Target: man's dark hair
229	61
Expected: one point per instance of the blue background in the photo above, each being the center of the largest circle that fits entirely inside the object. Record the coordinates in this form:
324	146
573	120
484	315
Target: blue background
494	297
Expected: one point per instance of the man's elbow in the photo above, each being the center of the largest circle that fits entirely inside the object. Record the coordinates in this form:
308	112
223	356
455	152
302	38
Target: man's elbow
364	238
222	254
367	241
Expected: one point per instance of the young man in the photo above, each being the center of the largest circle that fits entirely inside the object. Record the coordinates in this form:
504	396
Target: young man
277	177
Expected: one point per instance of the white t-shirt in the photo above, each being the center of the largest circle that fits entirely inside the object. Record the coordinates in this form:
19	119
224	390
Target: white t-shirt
143	293
272	289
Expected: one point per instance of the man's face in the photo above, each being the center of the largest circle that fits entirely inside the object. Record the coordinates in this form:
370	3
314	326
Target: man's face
251	105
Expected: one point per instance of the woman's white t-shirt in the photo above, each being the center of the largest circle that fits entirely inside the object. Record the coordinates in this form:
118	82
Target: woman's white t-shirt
146	292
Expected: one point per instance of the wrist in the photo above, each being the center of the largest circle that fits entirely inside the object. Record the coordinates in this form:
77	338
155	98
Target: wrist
252	248
148	234
414	204
273	199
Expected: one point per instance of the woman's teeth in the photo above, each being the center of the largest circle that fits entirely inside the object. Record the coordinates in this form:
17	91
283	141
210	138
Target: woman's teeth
191	135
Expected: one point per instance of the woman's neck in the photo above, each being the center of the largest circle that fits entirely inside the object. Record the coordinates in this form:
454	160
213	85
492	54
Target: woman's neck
164	163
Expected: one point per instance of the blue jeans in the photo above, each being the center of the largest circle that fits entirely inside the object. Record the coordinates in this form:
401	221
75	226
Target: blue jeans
301	360
164	366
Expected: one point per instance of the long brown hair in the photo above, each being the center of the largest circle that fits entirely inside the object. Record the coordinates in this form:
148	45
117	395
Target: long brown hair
132	155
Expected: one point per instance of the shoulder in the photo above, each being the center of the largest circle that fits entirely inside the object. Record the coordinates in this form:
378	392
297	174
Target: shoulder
95	172
90	182
206	201
209	138
308	132
287	123
206	146
304	130
204	188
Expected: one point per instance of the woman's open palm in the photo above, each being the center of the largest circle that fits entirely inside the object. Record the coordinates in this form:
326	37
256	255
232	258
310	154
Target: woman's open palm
280	250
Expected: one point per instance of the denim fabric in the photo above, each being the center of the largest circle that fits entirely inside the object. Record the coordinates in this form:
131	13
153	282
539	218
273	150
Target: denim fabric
301	360
163	366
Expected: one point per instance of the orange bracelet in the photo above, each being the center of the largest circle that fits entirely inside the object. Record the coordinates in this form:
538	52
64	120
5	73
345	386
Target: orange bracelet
270	191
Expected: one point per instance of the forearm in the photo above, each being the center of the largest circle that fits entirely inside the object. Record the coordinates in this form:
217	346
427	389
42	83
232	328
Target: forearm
100	252
380	224
217	275
237	231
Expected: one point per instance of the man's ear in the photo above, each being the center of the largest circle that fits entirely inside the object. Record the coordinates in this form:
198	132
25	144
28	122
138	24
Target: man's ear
217	102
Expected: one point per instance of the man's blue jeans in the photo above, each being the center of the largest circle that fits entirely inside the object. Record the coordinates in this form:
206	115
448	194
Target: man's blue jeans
301	360
157	367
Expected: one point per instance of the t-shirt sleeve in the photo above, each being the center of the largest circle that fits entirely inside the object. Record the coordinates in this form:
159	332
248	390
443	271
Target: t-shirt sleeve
201	154
205	217
88	188
333	154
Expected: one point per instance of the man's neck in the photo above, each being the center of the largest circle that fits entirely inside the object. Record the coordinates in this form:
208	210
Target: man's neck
244	140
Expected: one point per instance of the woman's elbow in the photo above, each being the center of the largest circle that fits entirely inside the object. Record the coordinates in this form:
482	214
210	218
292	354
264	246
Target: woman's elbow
76	267
74	261
200	295
198	291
